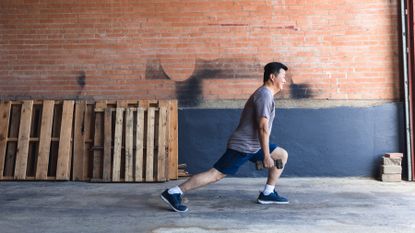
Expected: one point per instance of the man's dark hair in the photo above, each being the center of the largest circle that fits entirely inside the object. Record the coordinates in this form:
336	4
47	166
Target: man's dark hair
273	68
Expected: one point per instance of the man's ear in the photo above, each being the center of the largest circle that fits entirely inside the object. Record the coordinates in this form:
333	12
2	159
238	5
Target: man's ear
272	77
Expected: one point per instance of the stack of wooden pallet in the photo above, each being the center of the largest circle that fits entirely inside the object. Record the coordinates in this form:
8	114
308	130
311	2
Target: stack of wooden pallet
108	141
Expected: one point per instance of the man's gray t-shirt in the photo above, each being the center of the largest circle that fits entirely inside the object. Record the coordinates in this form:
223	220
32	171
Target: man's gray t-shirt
246	138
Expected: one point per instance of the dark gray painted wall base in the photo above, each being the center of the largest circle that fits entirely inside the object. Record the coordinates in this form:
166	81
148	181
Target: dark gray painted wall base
343	141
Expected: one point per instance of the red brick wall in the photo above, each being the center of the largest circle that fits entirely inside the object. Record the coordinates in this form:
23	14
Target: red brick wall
197	49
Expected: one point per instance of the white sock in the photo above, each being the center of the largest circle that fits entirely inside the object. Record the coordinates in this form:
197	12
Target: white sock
175	190
268	189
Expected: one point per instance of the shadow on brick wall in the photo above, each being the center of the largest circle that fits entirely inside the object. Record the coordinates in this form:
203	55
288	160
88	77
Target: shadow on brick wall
190	91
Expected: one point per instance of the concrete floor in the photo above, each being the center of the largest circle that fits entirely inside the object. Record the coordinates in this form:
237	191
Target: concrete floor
317	205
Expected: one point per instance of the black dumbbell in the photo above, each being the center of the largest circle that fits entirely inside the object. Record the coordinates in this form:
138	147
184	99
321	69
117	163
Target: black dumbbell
277	163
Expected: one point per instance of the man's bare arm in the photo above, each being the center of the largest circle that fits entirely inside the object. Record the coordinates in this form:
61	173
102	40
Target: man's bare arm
264	141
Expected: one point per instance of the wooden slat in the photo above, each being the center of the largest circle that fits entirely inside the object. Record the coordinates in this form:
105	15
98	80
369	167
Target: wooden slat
23	143
166	104
150	145
138	174
87	158
128	102
79	141
98	140
45	140
161	156
5	108
122	104
33	139
63	171
116	165
129	145
71	149
169	136
107	172
173	147
19	102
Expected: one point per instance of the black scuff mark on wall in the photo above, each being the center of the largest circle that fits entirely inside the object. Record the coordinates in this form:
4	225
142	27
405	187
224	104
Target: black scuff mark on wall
81	79
301	91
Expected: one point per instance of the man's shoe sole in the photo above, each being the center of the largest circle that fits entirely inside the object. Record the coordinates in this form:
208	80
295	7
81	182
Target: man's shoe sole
168	203
272	202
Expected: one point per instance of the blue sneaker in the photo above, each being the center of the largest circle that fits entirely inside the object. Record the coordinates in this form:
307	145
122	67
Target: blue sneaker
272	198
174	201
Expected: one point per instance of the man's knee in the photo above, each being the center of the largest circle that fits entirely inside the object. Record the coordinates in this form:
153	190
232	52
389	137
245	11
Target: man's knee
284	155
280	153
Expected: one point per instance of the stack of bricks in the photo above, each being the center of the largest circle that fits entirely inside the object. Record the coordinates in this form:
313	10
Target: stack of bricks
391	169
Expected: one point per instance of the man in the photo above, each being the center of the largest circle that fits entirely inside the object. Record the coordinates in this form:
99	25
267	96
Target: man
250	141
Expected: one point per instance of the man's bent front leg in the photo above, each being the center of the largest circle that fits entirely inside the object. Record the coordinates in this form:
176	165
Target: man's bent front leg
273	172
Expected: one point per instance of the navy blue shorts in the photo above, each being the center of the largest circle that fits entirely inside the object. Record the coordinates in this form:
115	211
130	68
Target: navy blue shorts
232	160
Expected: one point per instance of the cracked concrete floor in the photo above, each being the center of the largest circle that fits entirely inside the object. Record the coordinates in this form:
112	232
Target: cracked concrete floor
316	205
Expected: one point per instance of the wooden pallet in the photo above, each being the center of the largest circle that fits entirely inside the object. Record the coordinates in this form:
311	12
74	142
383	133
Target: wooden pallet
108	141
135	141
35	140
